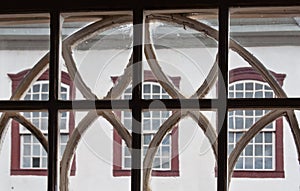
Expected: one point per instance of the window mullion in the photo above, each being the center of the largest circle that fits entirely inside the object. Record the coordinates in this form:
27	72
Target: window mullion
54	81
222	97
136	159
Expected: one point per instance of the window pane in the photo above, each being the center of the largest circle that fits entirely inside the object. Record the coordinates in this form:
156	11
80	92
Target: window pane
127	162
249	94
268	150
35	162
26	138
27	150
258	150
239	123
239	86
127	123
268	137
249	163
44	162
100	56
36	150
146	124
36	88
166	140
27	97
147	88
258	163
249	150
166	151
156	89
147	139
155	124
45	87
249	86
239	164
258	138
268	163
63	124
26	162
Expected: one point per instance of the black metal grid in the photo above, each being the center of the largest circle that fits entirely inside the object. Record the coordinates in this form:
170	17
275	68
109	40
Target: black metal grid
137	104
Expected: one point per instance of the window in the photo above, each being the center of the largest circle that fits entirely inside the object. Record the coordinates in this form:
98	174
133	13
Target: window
166	162
263	156
151	121
28	155
56	8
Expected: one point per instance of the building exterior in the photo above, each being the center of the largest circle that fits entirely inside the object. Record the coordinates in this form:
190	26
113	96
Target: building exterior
186	159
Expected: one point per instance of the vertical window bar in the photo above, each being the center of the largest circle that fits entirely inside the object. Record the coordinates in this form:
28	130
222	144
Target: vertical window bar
222	97
137	79
54	79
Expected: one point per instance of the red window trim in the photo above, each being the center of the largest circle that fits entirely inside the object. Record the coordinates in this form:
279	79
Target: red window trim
117	143
248	73
15	135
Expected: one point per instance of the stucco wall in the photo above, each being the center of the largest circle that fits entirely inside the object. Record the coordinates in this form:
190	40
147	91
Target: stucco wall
197	163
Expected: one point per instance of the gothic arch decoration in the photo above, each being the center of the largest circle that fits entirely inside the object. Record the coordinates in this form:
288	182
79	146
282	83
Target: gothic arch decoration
112	21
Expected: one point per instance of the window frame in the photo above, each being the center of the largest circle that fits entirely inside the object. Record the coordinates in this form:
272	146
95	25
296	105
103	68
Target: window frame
117	140
248	73
55	8
15	164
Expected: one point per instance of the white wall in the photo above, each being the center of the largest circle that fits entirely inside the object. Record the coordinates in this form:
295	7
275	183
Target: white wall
197	163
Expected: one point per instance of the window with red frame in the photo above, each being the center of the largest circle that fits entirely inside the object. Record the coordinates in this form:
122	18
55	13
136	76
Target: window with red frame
263	156
166	161
28	157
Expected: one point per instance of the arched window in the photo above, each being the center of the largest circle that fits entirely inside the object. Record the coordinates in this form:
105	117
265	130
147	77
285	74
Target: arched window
28	155
166	160
263	156
151	121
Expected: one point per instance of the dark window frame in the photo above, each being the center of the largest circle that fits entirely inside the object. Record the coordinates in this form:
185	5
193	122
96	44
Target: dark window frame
57	7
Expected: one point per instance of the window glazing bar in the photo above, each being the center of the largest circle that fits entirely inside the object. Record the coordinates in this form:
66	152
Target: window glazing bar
54	80
222	97
137	78
205	104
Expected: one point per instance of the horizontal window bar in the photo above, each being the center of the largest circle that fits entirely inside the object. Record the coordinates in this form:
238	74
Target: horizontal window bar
14	6
203	104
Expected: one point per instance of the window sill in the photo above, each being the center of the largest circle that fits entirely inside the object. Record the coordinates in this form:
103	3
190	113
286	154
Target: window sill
32	172
258	174
154	173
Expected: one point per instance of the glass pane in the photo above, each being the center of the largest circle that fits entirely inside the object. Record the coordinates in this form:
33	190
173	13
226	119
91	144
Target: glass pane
269	39
183	151
264	146
100	55
186	55
100	149
24	43
269	35
38	119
